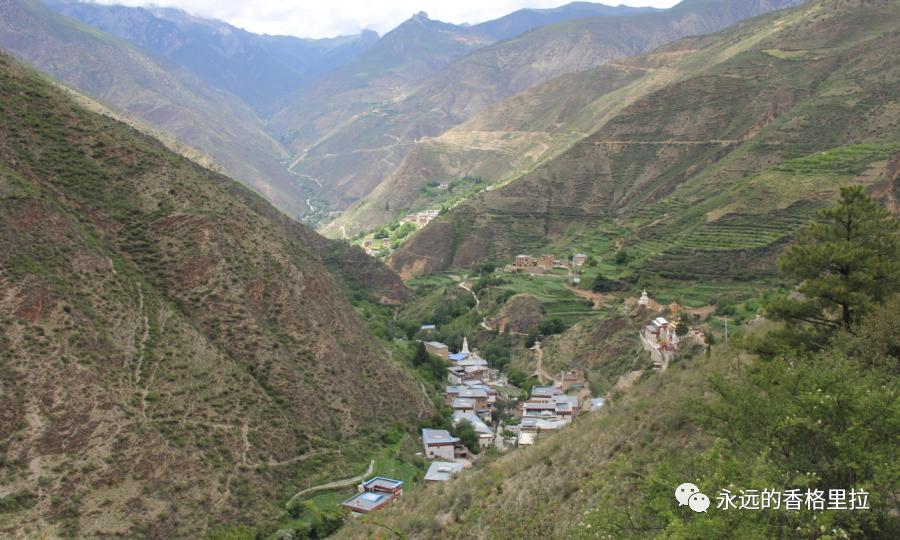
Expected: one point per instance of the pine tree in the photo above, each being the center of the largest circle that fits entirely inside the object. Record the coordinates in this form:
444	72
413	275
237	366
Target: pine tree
845	263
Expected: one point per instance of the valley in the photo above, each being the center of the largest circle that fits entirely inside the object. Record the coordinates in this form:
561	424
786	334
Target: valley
514	279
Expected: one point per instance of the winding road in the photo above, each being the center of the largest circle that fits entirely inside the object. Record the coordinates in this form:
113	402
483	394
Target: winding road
334	485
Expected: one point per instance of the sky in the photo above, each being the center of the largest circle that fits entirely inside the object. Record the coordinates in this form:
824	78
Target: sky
328	18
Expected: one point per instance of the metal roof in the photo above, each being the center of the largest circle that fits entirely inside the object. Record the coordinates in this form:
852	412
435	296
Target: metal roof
437	436
441	471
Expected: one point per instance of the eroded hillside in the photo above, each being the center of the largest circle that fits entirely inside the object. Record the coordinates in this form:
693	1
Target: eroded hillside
173	353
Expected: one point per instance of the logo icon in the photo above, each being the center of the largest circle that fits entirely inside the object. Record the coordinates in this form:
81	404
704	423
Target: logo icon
698	502
688	494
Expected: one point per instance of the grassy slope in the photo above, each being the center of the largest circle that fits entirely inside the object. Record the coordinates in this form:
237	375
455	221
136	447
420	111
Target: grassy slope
662	174
159	93
165	337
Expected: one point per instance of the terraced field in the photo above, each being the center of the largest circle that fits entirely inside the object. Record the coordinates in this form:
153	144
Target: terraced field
749	231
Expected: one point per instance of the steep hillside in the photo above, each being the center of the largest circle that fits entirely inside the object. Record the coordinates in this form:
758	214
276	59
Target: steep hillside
173	354
493	73
260	69
707	164
160	93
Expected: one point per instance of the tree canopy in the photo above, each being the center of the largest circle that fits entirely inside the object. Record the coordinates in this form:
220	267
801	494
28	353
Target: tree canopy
845	263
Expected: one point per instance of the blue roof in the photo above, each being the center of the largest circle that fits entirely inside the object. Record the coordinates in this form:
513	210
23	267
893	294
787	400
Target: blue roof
366	501
384	482
456	357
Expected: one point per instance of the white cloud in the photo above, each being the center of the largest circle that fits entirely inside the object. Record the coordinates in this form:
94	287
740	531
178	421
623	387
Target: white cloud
306	18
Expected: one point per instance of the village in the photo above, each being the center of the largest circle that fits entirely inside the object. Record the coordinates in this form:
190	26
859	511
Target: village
379	243
498	413
472	392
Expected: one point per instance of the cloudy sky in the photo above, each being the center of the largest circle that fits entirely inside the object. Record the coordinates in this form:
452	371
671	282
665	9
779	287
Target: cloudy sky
325	18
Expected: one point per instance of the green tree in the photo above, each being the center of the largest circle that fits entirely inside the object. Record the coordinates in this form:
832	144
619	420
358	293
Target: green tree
465	431
603	284
845	264
421	356
685	322
551	326
622	256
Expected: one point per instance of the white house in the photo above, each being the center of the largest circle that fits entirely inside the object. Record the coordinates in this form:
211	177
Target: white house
439	444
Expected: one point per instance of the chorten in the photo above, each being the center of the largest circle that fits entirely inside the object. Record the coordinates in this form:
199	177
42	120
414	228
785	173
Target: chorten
645	300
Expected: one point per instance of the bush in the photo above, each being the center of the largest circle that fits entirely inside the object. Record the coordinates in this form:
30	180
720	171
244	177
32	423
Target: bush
551	326
623	256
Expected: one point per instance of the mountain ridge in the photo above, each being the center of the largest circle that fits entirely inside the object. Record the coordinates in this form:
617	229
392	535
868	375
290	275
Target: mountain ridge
504	69
680	137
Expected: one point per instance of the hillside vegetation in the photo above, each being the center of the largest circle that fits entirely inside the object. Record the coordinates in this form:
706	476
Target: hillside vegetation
808	403
706	166
174	353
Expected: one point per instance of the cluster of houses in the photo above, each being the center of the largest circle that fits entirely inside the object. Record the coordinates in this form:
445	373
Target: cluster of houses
545	263
372	247
472	393
465	365
548	409
420	219
660	338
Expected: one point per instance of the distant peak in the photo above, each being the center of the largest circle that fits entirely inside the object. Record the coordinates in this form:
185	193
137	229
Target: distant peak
420	16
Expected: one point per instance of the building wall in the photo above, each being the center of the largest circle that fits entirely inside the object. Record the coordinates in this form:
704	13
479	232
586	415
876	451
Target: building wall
442	452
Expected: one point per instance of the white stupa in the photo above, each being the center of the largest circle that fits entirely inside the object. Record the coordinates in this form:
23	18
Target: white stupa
465	347
645	300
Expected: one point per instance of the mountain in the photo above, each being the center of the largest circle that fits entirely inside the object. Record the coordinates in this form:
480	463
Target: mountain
366	149
155	91
174	352
366	115
259	69
523	20
707	162
311	124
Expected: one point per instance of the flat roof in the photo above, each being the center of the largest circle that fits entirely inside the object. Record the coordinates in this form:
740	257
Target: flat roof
544	391
463	403
438	436
471	361
540	405
565	398
441	471
435	344
526	438
367	501
382	482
